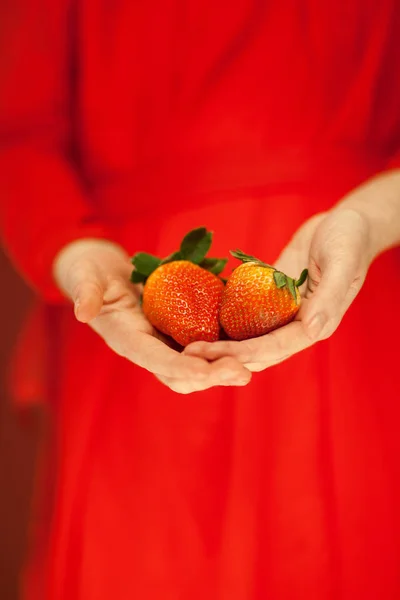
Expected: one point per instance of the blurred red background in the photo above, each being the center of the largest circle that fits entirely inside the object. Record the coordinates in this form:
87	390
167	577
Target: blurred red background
19	434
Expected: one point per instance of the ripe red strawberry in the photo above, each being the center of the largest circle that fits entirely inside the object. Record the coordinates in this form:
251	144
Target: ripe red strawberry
258	299
182	293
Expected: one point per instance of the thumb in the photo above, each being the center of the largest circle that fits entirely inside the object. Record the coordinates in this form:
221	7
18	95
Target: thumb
86	291
328	299
80	273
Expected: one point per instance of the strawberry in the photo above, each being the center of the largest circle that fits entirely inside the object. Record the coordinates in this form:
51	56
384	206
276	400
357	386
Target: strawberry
258	298
182	293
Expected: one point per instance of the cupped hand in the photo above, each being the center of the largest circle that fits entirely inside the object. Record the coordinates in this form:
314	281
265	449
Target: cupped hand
95	275
336	248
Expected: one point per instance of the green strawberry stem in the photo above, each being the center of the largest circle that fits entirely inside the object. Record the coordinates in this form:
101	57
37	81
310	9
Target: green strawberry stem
194	248
302	278
281	280
248	258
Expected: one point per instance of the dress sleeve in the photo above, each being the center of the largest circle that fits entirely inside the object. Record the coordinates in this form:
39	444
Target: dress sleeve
43	203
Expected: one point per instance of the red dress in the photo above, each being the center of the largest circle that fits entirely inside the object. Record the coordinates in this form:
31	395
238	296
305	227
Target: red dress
137	121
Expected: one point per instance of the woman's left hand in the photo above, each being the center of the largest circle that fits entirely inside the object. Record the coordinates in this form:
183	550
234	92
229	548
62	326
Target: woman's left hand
337	249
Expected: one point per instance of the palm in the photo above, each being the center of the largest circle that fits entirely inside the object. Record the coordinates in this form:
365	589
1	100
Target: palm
122	300
322	241
95	274
334	247
124	327
121	320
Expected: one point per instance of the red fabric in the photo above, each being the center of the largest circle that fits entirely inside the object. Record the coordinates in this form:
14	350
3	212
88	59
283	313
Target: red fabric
139	120
44	203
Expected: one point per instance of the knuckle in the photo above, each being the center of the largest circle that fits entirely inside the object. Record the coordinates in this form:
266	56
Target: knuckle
178	386
249	351
87	288
121	350
280	349
329	329
255	367
229	363
182	388
355	288
312	284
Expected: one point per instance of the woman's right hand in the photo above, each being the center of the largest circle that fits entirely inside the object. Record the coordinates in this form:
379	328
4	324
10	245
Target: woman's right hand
95	274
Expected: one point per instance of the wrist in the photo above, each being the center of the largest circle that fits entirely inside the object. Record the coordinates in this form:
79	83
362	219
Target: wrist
377	202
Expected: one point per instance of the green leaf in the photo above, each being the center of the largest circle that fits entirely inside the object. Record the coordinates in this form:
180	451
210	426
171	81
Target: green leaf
145	263
214	265
196	244
292	288
137	277
248	258
280	279
302	278
240	255
174	256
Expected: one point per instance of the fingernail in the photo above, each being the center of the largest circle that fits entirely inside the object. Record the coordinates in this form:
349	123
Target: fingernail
242	381
76	307
227	376
316	326
194	348
200	375
236	382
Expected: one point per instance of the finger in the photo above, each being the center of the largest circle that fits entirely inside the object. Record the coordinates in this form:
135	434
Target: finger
295	253
258	353
228	371
224	372
199	372
120	332
89	301
215	350
327	304
86	288
257	367
332	298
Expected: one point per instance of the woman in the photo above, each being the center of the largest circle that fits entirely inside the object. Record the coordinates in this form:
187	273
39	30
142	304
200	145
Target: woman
124	125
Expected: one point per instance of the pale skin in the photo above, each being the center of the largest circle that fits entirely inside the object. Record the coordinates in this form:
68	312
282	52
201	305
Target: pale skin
95	275
337	247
